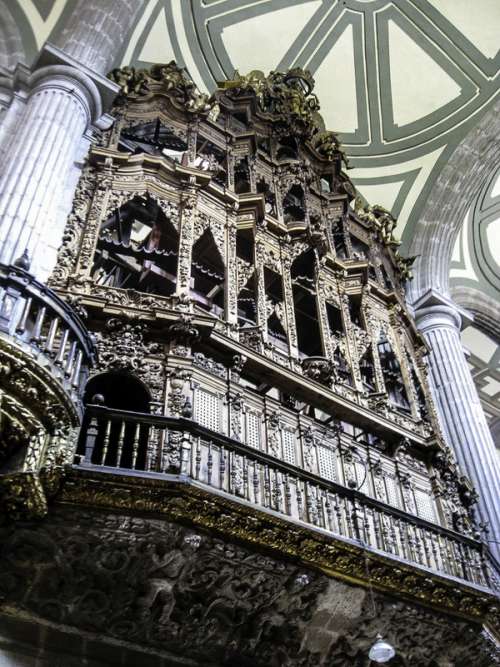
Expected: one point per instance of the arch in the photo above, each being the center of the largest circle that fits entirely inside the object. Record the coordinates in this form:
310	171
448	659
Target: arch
485	310
208	273
119	390
137	248
444	211
11	44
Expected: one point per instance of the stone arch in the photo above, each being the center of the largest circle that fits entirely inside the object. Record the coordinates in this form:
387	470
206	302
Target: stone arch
11	44
485	310
444	211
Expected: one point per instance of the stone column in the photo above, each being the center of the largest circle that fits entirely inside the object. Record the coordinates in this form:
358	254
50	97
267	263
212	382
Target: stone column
49	115
461	415
96	30
64	104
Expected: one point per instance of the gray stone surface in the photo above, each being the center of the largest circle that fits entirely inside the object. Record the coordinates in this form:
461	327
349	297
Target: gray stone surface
96	30
444	212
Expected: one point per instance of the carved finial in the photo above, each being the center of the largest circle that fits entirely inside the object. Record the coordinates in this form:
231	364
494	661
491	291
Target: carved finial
23	262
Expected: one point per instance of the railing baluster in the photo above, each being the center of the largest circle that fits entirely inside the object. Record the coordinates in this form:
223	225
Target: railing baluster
62	348
197	459
288	496
209	463
121	440
267	487
300	507
152	441
328	506
222	467
51	336
75	380
90	440
37	329
21	325
256	483
68	369
135	444
246	490
105	444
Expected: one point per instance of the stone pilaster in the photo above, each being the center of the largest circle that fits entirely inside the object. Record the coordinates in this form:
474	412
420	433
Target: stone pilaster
64	104
461	415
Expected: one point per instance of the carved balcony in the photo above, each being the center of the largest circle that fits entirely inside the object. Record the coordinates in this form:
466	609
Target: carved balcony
179	468
46	353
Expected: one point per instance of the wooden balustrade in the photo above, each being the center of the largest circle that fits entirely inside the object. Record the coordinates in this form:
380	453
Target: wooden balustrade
36	317
142	442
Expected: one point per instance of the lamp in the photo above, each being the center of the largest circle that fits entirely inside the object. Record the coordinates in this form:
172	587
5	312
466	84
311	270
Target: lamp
381	651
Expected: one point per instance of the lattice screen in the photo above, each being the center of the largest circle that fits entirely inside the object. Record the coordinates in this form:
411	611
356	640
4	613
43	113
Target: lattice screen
253	430
288	440
207	409
326	463
392	491
425	505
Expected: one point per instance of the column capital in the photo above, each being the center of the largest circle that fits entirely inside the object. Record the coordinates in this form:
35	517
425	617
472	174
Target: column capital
54	67
433	310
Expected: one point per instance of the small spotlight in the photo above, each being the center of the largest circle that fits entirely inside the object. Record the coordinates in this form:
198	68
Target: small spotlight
381	651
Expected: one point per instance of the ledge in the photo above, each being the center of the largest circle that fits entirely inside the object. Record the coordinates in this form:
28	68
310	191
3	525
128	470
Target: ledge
180	499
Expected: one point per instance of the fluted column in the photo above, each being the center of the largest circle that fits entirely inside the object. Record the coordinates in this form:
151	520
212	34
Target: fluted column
64	104
457	401
49	116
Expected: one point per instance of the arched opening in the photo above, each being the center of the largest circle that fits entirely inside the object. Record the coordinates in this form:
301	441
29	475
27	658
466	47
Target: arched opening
288	149
119	391
155	138
391	370
137	249
110	435
275	308
302	274
339	236
367	370
242	176
210	157
207	274
264	188
294	209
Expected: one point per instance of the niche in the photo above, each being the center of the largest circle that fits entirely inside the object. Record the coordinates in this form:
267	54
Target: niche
120	442
355	310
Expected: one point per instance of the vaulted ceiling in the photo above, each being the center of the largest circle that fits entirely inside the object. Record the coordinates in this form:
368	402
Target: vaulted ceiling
401	81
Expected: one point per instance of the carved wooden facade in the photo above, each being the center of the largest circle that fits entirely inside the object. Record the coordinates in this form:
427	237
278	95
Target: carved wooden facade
251	328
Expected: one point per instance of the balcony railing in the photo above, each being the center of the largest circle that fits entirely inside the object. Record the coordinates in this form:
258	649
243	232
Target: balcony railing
46	326
118	440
